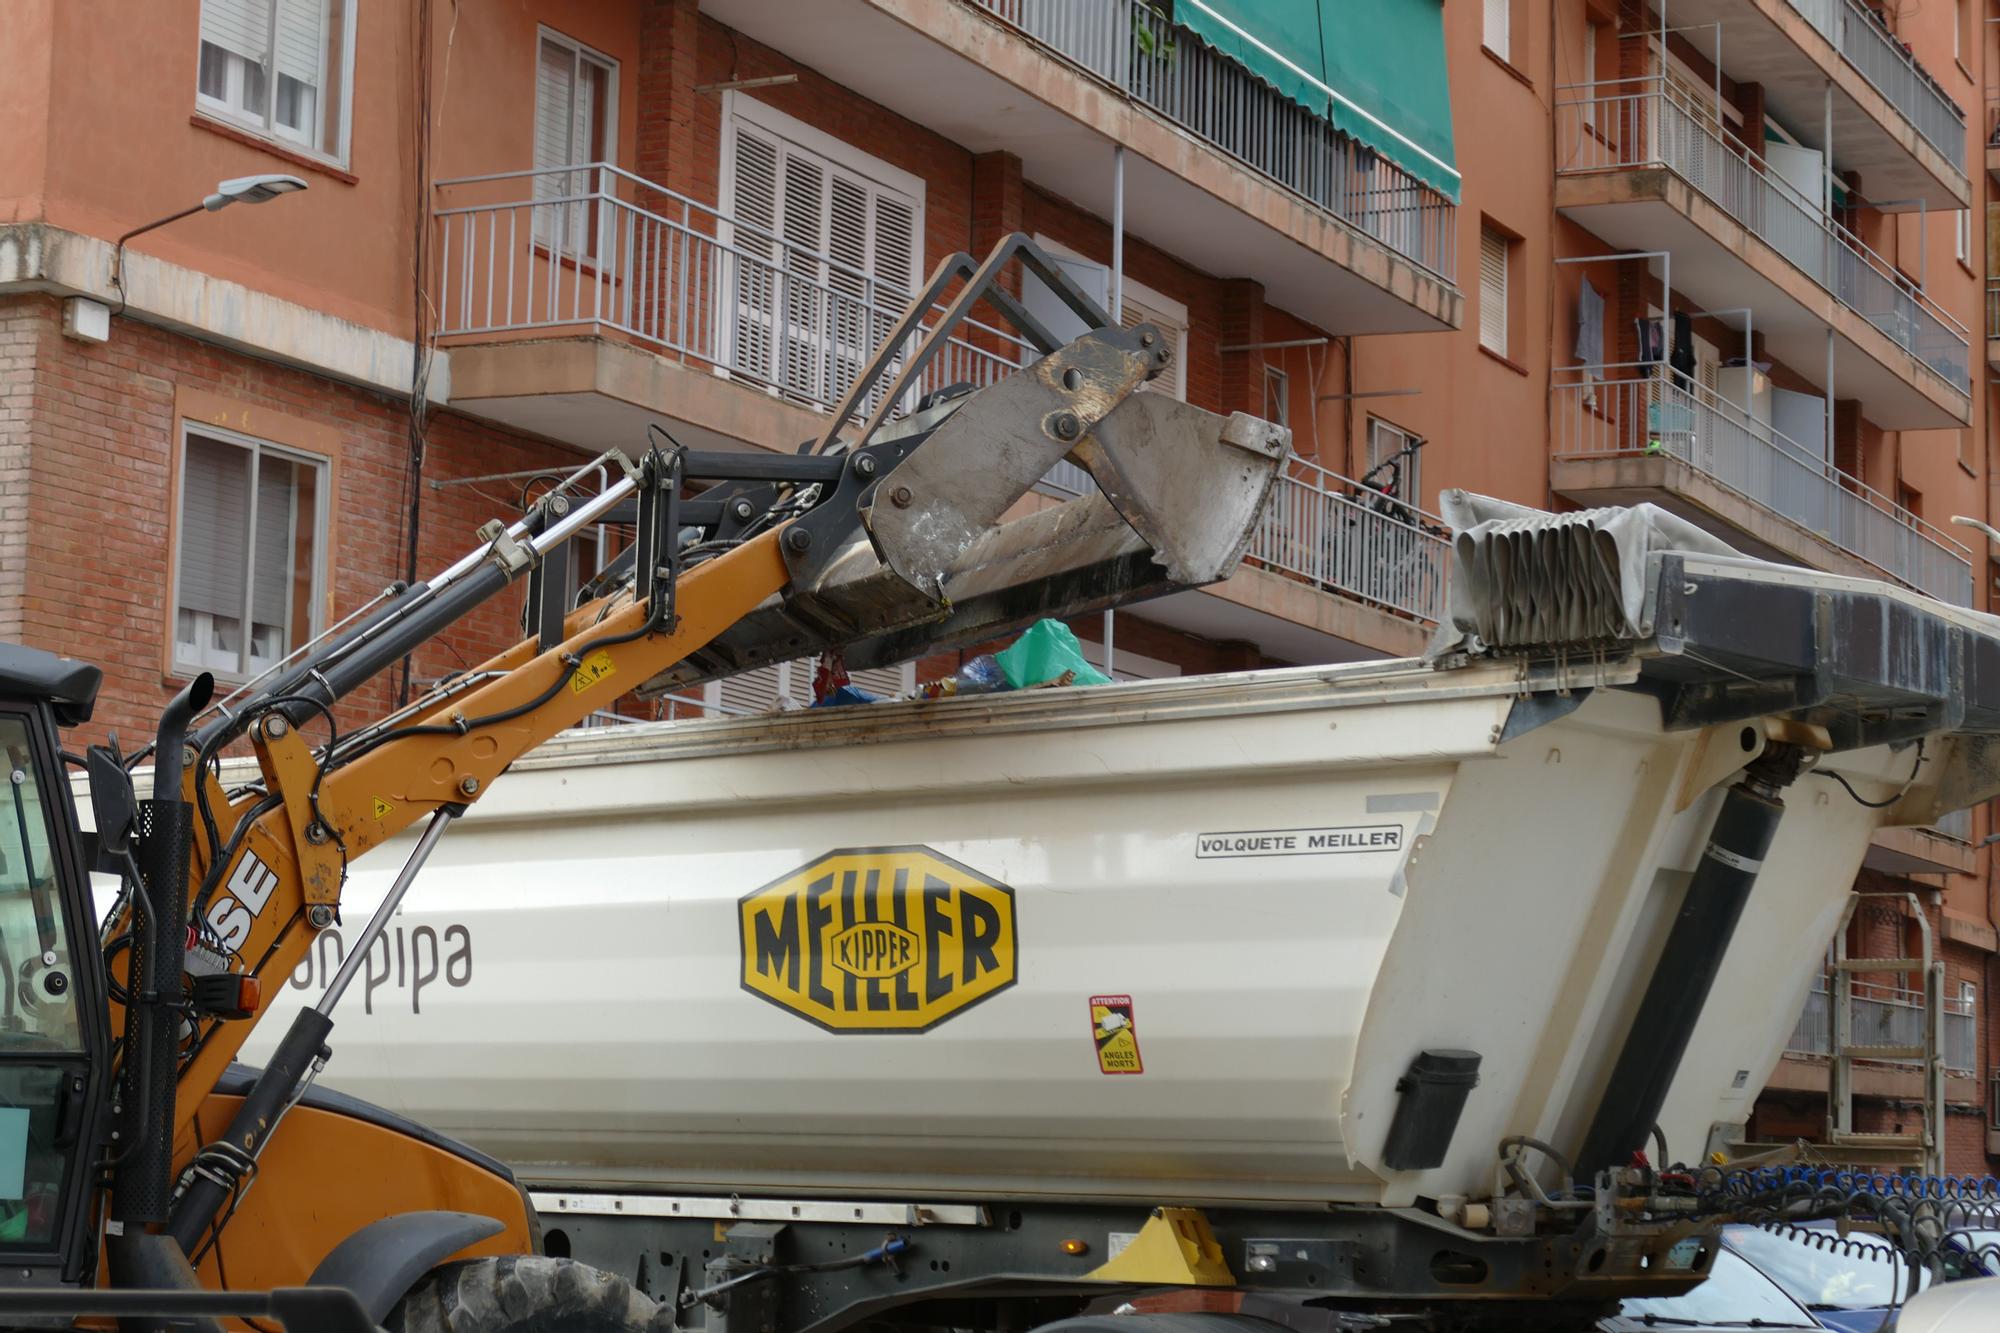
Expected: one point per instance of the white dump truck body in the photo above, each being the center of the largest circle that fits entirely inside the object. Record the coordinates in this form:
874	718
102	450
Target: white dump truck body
1168	940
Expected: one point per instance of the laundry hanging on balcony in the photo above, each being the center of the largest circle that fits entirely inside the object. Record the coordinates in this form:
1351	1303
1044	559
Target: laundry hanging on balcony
1374	68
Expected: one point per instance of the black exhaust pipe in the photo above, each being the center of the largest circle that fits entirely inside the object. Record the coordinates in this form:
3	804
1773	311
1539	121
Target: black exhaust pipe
141	1191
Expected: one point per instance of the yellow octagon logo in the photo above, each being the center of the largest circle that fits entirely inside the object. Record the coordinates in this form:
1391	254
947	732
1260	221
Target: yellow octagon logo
878	939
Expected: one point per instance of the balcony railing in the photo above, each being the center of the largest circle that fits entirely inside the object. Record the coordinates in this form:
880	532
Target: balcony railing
1325	529
1879	58
1993	310
1602	130
597	247
1888	1016
1133	47
1639	410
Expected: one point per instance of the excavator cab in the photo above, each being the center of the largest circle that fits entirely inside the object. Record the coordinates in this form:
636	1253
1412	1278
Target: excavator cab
55	1044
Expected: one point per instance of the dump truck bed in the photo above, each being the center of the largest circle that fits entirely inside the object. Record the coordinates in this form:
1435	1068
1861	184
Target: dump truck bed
654	957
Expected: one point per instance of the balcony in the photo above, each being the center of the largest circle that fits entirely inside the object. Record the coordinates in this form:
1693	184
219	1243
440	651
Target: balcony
1647	171
1225	105
1220	169
579	298
1623	435
1335	570
1943	848
1891	122
1889	1016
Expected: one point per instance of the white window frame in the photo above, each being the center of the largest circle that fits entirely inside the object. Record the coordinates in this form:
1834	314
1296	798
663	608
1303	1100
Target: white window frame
1961	235
322	523
738	109
266	126
1410	478
1156	305
1275	379
584	243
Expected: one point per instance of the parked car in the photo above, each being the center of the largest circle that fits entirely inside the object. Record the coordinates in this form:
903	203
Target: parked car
1736	1294
1853	1285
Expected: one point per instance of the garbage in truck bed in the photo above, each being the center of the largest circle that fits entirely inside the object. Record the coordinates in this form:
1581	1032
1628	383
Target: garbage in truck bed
1045	654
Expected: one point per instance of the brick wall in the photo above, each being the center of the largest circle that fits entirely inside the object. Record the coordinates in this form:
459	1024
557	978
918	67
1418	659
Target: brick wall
98	440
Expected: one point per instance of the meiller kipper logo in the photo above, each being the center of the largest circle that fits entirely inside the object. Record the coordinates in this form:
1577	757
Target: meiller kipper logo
878	939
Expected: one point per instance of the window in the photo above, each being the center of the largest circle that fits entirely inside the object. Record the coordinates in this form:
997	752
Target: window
824	230
576	100
283	68
1395	461
1277	396
1961	235
251	533
1141	305
1499	28
1493	257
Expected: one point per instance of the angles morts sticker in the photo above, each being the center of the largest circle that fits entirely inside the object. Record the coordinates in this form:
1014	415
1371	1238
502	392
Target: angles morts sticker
878	939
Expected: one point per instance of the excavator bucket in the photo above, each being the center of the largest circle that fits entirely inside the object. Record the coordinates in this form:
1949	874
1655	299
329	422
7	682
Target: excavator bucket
944	540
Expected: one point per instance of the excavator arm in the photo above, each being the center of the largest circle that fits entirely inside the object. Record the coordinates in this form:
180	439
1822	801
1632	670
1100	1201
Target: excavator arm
908	535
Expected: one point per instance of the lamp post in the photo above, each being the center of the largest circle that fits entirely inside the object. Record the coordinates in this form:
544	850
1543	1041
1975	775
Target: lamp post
238	190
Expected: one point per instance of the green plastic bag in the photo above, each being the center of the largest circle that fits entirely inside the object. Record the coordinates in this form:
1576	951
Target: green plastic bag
1042	654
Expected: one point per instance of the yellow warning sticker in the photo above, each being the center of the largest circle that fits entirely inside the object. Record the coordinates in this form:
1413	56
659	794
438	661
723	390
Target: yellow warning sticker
595	667
382	808
878	939
1116	1035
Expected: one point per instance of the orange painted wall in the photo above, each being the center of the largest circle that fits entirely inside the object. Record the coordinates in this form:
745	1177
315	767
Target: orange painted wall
346	246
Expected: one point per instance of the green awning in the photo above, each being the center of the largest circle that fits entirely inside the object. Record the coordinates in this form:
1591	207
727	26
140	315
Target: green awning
1375	68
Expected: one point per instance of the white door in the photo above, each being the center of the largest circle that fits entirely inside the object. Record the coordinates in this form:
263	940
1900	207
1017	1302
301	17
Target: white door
1798	482
1800	168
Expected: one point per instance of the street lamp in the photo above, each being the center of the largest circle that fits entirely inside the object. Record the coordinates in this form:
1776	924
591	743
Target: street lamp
238	190
1992	533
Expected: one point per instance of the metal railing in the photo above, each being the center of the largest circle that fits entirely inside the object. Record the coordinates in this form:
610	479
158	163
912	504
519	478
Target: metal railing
1647	410
596	246
1335	532
1879	58
1993	309
1136	49
1327	529
1888	1016
1662	126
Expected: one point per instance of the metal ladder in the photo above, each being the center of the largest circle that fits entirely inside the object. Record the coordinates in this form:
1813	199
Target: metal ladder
1925	1149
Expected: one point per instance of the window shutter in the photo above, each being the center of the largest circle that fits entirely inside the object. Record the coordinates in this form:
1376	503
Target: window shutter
1046	306
1493	291
301	40
753	202
275	525
750	692
802	220
215	512
886	682
1499	26
555	93
242	27
1174	383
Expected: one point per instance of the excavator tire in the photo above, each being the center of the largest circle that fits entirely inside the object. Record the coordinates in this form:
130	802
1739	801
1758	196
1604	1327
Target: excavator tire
524	1293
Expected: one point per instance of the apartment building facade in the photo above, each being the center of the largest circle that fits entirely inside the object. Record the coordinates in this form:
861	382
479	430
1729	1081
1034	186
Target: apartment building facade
1719	255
